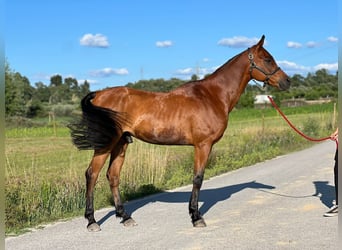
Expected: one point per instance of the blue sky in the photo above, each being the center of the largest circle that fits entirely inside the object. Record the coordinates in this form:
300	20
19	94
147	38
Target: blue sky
111	43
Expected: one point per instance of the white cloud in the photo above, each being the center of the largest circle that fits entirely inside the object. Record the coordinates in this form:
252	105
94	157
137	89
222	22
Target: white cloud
312	44
200	72
97	40
107	72
332	39
293	68
186	71
238	42
294	45
164	44
328	66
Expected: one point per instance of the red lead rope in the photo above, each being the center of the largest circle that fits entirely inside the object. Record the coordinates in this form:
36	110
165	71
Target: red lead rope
294	128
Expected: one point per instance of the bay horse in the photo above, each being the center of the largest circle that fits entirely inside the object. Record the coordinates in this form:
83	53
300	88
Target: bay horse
196	113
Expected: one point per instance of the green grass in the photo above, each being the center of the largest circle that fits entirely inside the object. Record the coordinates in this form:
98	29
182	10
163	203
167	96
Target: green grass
44	172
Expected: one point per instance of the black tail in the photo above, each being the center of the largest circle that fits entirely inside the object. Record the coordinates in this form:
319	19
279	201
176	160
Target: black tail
97	127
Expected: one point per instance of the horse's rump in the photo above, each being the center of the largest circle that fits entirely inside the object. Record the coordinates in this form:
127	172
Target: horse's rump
97	127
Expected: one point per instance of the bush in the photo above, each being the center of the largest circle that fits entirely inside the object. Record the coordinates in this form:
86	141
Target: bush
311	127
63	109
19	121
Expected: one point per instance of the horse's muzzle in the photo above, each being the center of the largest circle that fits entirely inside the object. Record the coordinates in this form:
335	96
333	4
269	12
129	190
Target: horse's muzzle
285	84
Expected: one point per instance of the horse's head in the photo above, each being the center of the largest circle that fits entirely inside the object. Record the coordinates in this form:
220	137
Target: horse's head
263	67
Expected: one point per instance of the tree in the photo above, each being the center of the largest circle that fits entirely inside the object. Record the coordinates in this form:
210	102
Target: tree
246	100
297	80
84	89
72	85
156	85
194	77
42	92
18	92
56	80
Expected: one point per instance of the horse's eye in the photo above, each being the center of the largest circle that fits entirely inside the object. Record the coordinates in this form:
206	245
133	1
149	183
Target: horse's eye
268	60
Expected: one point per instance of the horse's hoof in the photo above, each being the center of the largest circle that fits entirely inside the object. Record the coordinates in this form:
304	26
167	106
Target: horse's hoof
93	227
129	222
199	223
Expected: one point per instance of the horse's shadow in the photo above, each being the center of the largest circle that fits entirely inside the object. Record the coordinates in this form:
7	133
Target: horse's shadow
325	192
209	197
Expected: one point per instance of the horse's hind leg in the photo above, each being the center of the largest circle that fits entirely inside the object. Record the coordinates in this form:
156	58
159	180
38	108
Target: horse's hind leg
91	174
113	175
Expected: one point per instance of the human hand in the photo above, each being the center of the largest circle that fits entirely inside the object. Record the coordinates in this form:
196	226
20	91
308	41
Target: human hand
334	136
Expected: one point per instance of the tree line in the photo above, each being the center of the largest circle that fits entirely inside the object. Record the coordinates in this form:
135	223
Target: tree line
24	100
62	96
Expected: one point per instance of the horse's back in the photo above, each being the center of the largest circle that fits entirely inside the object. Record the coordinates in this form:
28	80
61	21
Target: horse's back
122	98
108	97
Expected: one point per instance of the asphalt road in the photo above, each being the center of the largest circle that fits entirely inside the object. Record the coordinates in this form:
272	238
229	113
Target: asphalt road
277	204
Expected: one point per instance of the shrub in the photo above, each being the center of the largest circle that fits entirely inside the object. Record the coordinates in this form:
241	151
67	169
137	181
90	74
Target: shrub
311	127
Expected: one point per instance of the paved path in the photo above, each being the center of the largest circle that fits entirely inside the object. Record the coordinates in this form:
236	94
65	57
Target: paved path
277	204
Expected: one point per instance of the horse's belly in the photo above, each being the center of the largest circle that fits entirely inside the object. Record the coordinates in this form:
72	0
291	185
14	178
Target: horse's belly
163	136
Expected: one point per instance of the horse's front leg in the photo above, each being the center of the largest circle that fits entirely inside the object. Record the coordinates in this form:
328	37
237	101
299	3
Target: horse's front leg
201	157
91	174
113	176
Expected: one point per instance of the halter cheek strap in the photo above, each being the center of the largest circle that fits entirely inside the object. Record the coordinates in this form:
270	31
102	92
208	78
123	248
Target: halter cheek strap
254	66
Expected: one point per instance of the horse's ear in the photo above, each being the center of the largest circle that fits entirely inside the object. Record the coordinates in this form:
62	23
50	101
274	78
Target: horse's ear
261	42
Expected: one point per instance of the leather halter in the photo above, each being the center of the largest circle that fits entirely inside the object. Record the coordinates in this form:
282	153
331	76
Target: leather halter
254	66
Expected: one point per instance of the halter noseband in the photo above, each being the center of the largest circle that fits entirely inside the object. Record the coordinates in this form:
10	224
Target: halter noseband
254	66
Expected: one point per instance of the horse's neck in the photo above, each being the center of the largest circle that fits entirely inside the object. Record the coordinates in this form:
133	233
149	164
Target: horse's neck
231	80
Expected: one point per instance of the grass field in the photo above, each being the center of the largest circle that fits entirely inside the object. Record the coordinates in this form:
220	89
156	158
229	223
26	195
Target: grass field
44	172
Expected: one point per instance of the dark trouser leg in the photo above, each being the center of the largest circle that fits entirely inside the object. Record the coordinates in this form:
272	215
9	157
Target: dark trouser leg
336	176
